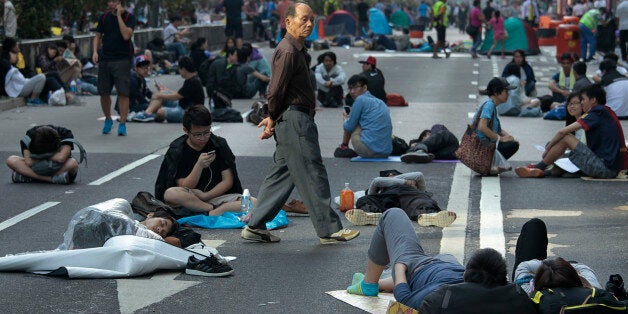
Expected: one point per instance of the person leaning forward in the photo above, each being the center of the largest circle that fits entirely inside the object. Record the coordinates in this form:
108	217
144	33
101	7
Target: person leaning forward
297	160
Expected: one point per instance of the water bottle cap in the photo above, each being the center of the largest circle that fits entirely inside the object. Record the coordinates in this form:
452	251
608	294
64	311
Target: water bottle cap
246	192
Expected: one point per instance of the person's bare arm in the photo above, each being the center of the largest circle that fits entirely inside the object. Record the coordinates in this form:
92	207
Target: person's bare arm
562	133
190	182
221	188
62	155
96	46
554	88
488	132
126	31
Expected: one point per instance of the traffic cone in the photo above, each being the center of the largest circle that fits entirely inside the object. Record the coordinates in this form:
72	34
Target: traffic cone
321	29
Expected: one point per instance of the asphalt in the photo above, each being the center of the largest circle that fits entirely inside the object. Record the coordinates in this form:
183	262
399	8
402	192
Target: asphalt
587	219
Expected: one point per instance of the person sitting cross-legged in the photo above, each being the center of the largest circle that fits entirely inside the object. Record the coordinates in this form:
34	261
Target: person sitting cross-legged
604	154
198	174
47	152
368	125
436	283
169	105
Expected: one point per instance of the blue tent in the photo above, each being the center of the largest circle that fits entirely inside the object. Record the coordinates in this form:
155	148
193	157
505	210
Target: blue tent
378	23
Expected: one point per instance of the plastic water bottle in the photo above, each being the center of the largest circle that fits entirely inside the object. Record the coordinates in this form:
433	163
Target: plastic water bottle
74	28
246	206
346	198
78	86
73	87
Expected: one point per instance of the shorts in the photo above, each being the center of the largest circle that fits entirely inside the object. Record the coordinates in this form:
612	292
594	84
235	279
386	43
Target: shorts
233	29
216	202
116	73
589	163
440	33
174	112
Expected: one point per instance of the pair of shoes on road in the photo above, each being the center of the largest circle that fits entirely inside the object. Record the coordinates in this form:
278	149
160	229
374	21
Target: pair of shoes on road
343	151
144	117
419	156
441	219
295	206
261	235
106	129
36	102
209	267
529	172
62	178
359	217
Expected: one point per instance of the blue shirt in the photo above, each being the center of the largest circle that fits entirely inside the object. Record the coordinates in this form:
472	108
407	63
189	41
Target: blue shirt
426	280
604	135
373	116
423	10
488	112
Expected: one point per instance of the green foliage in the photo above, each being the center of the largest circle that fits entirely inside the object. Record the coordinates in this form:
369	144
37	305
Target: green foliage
34	18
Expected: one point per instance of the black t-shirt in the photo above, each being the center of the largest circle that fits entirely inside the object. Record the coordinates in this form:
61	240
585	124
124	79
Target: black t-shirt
375	83
192	92
211	176
488	12
114	47
233	9
363	9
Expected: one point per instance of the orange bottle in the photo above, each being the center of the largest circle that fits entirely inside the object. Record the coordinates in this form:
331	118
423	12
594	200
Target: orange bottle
346	199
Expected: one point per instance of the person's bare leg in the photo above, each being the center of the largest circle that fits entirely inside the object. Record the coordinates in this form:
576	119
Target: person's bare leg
18	164
105	104
569	141
346	137
373	272
123	102
153	106
490	51
71	167
230	207
502	41
179	196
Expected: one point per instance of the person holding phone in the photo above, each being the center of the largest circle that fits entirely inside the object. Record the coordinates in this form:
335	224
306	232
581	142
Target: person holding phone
115	33
368	125
198	174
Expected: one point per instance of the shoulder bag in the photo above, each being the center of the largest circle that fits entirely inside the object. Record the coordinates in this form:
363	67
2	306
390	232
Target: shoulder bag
475	153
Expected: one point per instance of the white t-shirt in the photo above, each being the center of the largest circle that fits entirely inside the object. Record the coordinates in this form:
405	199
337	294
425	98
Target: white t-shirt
617	97
578	9
622	14
169	34
599	4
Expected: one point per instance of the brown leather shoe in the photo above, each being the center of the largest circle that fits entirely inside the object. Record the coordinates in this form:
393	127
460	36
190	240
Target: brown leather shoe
295	206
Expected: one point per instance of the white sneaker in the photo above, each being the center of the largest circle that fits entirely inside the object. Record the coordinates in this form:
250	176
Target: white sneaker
359	217
441	219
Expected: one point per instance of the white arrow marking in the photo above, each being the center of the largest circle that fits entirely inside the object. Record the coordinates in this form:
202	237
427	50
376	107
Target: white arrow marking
134	294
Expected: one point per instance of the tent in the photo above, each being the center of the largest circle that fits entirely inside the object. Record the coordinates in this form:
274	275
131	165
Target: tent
400	19
520	36
378	23
341	23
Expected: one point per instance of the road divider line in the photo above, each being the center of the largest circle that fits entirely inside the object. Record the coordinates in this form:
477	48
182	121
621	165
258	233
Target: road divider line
124	169
454	235
246	113
29	213
491	216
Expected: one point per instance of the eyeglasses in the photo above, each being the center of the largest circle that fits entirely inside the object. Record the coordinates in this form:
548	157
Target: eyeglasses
201	135
574	103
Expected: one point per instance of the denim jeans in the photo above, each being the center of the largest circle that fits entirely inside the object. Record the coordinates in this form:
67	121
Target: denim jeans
477	41
587	38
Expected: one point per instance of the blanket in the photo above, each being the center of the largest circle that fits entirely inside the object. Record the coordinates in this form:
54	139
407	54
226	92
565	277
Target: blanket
229	220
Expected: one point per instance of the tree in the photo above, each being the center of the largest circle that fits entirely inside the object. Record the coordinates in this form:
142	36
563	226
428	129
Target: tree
34	18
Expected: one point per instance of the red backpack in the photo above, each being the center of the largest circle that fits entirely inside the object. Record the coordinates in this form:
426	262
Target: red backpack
395	100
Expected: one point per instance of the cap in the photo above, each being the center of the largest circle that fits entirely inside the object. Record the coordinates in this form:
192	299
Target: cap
498	84
141	59
370	60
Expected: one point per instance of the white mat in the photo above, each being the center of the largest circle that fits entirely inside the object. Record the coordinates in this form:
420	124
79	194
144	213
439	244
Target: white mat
377	304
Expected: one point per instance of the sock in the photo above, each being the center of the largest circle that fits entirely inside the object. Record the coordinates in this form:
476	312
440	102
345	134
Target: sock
363	288
541	165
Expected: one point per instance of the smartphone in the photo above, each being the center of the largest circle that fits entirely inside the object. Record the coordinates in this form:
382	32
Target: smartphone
211	152
347	109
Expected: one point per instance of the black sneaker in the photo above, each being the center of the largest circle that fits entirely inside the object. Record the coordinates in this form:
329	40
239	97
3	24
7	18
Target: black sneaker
615	286
345	152
19	178
210	267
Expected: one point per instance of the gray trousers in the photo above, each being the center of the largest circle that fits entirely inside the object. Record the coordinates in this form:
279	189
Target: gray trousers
395	241
34	84
297	162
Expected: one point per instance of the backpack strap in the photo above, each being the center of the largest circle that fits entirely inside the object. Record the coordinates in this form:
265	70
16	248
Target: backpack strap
83	153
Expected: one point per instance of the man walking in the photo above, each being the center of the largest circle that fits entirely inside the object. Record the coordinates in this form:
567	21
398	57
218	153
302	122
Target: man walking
441	21
297	160
622	14
115	32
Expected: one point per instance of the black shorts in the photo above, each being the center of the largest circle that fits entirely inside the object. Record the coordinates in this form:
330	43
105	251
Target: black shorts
234	29
440	33
116	73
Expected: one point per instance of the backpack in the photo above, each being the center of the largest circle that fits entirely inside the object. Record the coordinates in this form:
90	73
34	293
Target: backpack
145	203
395	100
577	300
203	71
399	146
226	115
411	200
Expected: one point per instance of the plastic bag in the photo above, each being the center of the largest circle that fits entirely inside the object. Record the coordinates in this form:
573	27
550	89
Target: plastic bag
57	98
500	164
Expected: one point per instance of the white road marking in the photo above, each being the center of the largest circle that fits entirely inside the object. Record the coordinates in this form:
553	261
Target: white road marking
134	294
475	72
405	55
470	115
473	96
476	64
124	169
474	83
491	217
454	235
536	213
244	114
29	213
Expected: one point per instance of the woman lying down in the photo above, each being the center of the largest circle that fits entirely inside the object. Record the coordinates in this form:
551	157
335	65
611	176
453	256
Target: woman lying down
92	226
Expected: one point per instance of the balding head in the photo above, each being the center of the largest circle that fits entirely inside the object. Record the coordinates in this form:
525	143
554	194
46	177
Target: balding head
299	21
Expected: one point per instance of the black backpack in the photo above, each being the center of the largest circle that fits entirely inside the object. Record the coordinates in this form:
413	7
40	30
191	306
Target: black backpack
145	203
399	146
577	300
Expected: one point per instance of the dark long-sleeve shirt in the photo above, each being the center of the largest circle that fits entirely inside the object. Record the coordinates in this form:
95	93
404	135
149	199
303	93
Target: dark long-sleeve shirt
290	83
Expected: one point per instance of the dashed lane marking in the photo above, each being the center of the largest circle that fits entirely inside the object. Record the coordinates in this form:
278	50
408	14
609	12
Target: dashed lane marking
491	216
535	213
29	213
124	169
473	96
454	235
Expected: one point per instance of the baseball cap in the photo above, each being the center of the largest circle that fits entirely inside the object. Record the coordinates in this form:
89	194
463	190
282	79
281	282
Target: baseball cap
141	60
498	84
370	60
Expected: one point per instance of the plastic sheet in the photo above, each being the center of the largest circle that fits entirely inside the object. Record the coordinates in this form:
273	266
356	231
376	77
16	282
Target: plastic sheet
92	226
230	220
